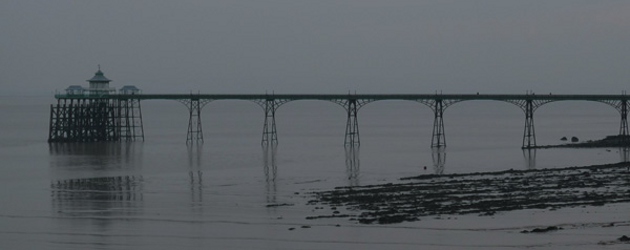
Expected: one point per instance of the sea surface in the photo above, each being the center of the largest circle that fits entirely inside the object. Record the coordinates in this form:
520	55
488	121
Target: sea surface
232	193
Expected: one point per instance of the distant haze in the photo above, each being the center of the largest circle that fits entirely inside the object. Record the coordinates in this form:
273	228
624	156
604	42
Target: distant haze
318	46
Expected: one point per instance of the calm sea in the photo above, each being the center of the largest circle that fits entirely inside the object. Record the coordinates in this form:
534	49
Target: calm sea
164	194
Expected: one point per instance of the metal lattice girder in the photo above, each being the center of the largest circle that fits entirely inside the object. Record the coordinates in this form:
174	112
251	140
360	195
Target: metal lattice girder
353	165
130	120
352	125
529	104
195	129
438	138
529	134
84	120
622	107
269	106
352	106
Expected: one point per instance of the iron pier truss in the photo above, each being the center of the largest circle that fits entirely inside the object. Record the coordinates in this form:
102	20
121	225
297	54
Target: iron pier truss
81	118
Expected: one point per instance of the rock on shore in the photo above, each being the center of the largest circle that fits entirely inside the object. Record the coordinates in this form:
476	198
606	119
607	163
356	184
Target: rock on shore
613	141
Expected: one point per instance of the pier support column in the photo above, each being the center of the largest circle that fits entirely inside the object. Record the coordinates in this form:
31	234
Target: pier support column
195	131
130	121
353	165
529	135
84	120
623	127
439	139
54	128
352	125
269	134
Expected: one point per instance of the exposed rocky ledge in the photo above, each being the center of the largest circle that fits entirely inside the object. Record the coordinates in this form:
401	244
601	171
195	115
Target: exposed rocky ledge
612	141
476	193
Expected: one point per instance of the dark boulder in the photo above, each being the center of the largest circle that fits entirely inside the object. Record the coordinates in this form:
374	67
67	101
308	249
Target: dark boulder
564	138
574	139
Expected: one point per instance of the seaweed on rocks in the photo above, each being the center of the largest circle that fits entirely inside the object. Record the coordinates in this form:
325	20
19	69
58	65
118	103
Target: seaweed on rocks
279	205
543	230
486	193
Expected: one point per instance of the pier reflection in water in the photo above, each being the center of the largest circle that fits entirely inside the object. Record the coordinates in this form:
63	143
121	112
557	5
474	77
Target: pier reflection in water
530	158
195	160
98	197
624	154
270	169
92	191
353	164
92	180
67	158
439	160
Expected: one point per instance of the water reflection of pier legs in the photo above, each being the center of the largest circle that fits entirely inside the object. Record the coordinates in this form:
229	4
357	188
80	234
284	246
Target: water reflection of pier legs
271	170
195	173
624	154
530	158
98	197
100	156
122	188
196	186
352	165
439	159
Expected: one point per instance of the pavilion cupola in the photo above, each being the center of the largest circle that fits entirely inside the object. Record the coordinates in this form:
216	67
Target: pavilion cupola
99	84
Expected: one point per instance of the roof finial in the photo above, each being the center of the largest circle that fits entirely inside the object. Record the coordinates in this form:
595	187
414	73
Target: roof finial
99	67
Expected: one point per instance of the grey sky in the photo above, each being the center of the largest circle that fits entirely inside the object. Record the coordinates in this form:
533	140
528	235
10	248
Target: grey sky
295	46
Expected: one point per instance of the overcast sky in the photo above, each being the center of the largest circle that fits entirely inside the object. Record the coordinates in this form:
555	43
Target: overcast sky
317	46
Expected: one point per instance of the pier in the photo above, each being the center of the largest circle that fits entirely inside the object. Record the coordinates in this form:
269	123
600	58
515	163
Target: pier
118	117
100	113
